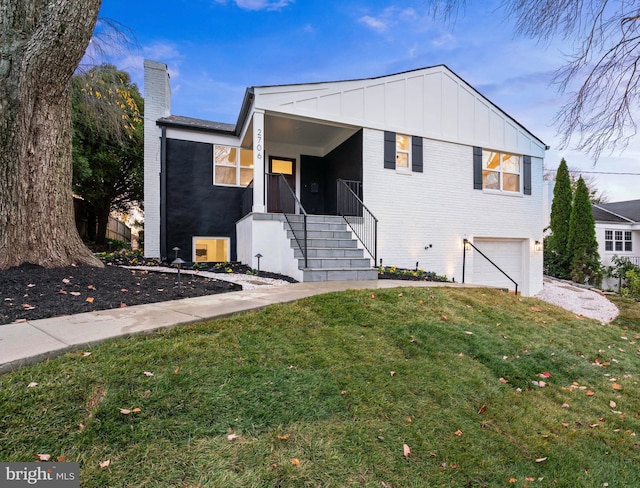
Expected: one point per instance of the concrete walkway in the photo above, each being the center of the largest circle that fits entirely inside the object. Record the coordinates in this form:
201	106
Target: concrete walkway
35	340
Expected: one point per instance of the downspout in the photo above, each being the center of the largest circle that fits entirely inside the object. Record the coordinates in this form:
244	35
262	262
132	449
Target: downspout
163	194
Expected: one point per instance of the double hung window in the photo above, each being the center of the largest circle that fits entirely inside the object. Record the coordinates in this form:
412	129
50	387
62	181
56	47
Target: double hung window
233	166
501	171
618	240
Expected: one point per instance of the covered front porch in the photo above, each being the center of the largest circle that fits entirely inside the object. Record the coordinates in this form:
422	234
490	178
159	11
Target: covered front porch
303	214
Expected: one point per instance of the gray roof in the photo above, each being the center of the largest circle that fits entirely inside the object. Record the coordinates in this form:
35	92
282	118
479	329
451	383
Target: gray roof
199	124
628	211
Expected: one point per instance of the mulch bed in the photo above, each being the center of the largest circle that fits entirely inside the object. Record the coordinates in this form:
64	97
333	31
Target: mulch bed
30	292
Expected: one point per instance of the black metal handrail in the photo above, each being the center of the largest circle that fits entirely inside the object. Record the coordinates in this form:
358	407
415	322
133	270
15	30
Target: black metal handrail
289	205
247	200
464	258
356	214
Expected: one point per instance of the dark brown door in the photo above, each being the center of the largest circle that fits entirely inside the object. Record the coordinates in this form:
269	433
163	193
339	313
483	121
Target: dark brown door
279	198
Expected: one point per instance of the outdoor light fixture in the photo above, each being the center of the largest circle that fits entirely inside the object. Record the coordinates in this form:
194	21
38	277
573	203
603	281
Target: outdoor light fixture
178	262
467	244
258	256
537	246
176	249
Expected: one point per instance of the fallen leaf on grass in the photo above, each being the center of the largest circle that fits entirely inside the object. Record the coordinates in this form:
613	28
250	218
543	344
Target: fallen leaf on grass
406	450
126	411
105	464
536	309
33	384
295	462
175	371
541	460
589	393
616	386
283	437
43	457
458	433
392	373
232	437
61	459
148	373
546	374
512	480
85	354
539	384
502	380
613	404
482	410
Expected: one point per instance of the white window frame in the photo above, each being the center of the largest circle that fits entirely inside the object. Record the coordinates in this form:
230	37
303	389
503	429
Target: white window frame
212	238
501	173
403	169
615	239
237	166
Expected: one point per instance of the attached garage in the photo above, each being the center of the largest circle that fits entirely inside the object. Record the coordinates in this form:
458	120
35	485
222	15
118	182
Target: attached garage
508	254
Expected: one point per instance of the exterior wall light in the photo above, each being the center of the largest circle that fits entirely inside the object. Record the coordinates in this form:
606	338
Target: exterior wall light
537	246
467	244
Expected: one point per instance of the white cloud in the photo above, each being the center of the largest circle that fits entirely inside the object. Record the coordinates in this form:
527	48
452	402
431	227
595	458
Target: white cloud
375	24
263	4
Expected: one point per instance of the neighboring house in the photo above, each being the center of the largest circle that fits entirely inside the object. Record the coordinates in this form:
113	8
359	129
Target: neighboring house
433	161
618	233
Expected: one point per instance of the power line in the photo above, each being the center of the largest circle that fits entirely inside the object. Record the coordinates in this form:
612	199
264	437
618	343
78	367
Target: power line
596	172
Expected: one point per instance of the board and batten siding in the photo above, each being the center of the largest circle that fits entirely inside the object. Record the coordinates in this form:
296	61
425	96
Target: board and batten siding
431	102
439	208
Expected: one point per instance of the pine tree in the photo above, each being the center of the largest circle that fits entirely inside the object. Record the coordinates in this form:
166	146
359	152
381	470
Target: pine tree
582	244
557	260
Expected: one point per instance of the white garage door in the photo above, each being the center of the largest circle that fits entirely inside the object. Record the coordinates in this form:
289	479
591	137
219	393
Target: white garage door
507	254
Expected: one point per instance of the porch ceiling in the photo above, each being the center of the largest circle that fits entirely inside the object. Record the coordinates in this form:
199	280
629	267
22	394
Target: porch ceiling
305	132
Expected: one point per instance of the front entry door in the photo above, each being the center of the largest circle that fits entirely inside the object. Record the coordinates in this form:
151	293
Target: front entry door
287	168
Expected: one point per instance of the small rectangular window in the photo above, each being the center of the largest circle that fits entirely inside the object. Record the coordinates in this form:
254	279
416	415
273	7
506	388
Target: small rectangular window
403	154
618	240
210	249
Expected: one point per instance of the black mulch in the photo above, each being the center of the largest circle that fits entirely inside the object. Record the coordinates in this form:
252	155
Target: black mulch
31	292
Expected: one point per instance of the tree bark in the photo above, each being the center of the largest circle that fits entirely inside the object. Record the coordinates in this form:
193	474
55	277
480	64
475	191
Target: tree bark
41	44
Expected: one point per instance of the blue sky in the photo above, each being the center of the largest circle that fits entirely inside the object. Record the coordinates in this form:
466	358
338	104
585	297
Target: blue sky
215	49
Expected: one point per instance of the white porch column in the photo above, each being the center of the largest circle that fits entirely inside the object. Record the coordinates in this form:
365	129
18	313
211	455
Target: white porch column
258	162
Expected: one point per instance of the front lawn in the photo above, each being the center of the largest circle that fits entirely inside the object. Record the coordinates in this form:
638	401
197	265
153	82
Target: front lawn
386	388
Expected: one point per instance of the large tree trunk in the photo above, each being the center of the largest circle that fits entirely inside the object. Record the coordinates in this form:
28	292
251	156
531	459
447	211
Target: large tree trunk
41	44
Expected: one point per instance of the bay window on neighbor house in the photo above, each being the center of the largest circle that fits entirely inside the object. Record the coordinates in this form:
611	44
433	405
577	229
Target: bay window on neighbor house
501	171
617	240
233	166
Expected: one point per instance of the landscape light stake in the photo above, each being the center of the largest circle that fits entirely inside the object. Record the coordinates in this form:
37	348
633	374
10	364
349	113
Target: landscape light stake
178	262
258	256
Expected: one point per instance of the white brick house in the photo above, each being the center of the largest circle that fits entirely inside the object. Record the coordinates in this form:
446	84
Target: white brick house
432	160
618	233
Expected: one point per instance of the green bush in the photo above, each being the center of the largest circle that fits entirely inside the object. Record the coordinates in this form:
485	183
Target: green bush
632	285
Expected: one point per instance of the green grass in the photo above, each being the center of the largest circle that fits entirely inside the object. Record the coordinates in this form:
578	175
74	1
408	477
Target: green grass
312	381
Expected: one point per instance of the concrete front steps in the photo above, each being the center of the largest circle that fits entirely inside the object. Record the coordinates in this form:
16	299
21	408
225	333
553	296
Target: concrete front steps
333	252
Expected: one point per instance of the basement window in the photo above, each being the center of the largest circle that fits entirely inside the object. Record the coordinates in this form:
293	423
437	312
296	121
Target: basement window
211	249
